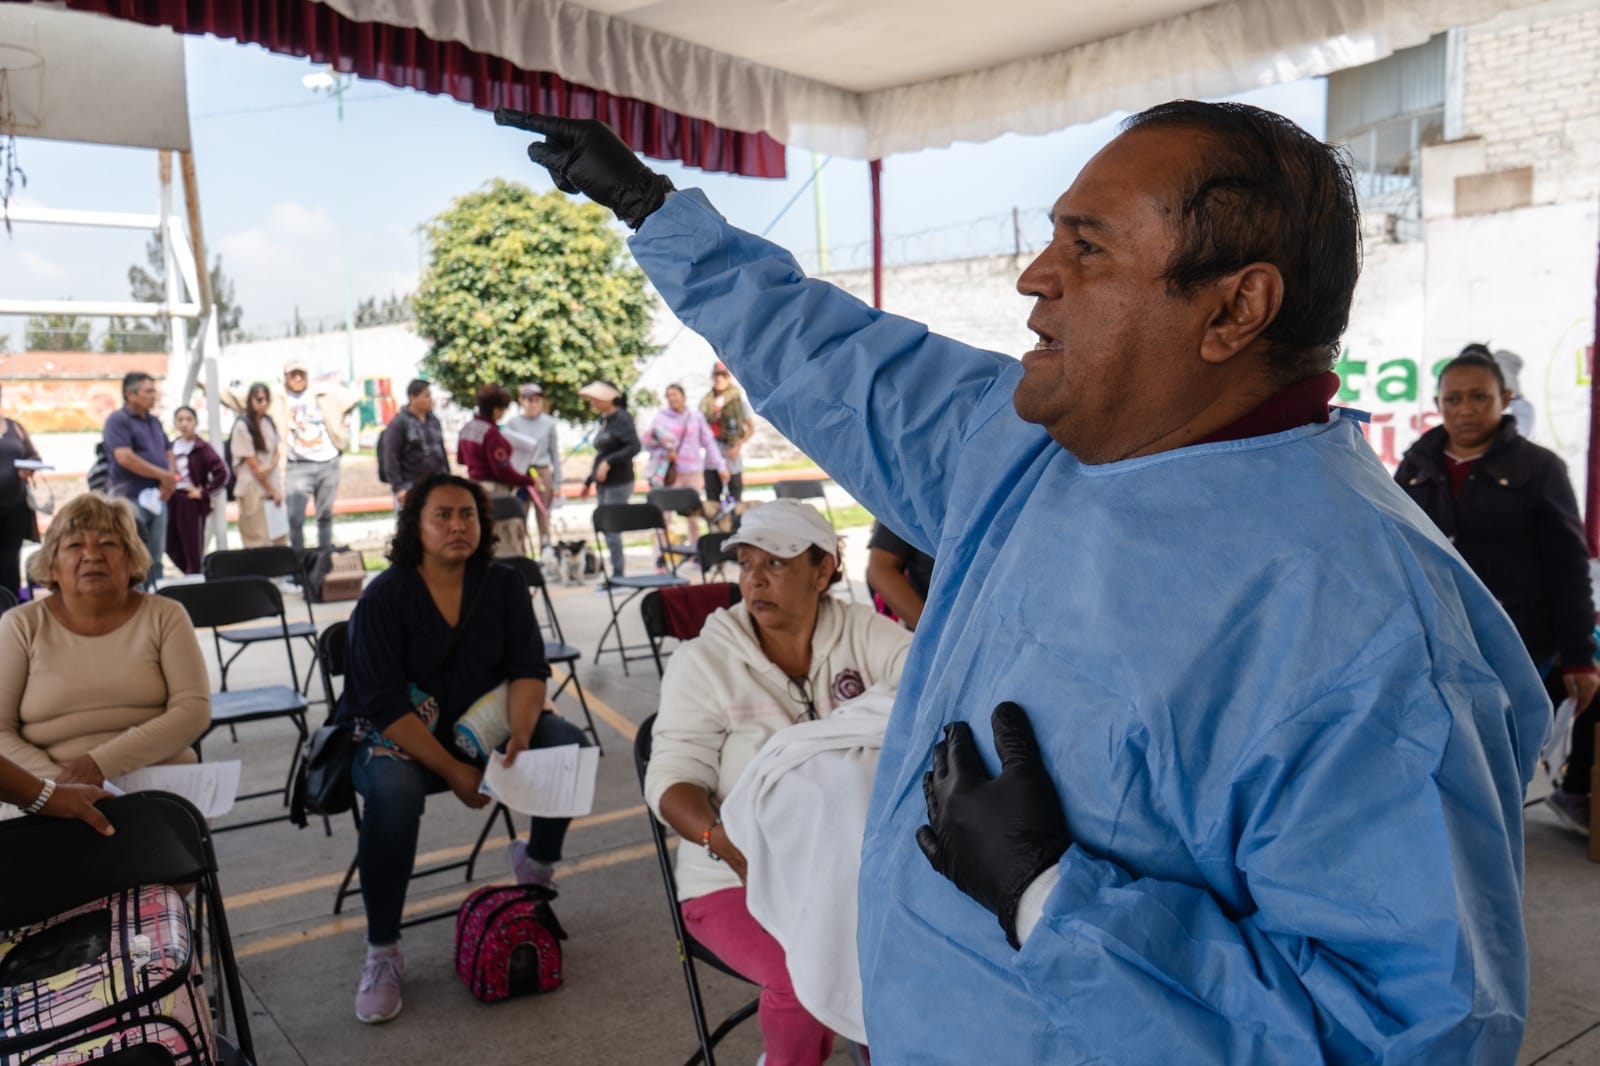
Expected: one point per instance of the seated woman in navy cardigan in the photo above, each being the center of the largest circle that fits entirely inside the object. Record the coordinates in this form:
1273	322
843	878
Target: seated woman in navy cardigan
433	635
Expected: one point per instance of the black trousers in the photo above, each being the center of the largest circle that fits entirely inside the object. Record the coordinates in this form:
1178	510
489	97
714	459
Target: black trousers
16	524
714	486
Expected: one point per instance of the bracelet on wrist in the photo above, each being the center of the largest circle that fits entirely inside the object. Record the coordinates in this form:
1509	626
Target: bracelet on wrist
705	840
42	798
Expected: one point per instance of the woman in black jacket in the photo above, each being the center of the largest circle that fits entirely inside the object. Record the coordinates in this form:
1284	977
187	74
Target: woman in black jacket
1508	507
615	444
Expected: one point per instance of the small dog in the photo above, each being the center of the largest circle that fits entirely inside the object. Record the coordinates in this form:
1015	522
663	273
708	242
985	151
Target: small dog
564	561
719	520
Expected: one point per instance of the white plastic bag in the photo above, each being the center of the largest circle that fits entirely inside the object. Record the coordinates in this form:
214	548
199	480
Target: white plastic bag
277	516
1558	744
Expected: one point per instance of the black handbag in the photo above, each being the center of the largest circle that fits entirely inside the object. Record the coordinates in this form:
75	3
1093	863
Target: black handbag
322	782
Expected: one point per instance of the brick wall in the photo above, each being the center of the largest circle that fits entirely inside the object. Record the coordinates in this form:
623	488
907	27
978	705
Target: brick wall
1532	92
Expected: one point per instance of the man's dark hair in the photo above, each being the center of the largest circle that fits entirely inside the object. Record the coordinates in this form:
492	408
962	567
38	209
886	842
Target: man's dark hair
133	379
1476	348
405	547
492	398
1266	191
1475	358
417	387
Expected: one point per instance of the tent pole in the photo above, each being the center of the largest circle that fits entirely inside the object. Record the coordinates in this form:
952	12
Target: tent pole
1591	492
875	173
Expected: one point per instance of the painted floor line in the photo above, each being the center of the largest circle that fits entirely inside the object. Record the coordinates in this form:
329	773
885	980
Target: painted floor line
602	710
432	904
312	884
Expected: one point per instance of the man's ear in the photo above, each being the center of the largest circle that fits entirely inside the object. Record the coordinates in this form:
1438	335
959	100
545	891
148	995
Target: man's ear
1246	303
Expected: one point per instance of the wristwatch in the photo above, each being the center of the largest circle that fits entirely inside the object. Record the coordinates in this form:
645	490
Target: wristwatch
49	790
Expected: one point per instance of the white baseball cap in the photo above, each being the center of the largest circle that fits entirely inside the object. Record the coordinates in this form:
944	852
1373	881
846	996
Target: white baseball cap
785	528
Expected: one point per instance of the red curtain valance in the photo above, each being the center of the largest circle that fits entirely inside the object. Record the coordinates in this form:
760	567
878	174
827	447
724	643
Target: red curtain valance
408	58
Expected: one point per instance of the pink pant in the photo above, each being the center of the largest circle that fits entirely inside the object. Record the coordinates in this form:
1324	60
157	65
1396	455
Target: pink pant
722	922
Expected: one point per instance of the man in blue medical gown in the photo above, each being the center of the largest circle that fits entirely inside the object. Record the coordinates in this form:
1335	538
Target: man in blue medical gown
1272	813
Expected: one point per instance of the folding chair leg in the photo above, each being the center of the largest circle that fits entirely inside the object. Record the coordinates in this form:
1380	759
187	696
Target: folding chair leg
483	835
728	1025
345	891
572	679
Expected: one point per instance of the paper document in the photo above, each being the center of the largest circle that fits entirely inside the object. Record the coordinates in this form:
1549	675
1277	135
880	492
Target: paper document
277	519
31	464
548	782
150	500
522	449
210	786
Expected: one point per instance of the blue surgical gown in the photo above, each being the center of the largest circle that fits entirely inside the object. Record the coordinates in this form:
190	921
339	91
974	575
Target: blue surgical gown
1289	728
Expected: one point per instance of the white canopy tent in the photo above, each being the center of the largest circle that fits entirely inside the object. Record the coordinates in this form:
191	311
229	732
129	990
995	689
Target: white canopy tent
868	78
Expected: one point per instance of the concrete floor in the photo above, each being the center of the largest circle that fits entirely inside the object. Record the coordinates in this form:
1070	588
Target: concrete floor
624	1001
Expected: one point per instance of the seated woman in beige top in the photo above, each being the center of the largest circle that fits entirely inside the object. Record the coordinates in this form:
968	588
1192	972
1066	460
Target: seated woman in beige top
99	679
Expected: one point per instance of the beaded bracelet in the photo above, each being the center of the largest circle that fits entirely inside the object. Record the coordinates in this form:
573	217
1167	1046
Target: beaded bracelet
705	840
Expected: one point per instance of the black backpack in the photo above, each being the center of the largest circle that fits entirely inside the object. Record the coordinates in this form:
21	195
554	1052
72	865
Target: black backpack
227	458
100	471
385	475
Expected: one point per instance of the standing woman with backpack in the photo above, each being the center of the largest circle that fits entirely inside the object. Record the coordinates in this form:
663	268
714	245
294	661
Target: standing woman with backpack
201	474
728	416
256	449
616	442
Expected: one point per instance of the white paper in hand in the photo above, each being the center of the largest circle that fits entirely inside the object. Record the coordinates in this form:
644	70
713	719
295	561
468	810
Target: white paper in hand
277	516
210	786
547	782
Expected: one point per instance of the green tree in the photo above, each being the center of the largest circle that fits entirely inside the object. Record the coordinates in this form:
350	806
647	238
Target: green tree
57	333
150	286
522	287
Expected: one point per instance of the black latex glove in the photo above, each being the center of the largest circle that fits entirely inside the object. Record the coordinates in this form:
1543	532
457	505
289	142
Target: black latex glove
583	155
993	836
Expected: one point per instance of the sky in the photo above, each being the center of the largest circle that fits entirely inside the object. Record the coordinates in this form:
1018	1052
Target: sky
275	197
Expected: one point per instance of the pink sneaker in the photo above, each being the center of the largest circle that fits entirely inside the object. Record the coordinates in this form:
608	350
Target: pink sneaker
378	998
527	870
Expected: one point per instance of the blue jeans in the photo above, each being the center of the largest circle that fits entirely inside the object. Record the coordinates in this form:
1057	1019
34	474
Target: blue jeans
393	791
318	481
610	494
153	531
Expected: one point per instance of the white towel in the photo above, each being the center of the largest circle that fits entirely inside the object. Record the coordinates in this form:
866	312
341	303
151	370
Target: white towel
799	815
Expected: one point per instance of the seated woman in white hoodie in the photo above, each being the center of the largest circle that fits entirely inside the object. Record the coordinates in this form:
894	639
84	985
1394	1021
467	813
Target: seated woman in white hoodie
788	653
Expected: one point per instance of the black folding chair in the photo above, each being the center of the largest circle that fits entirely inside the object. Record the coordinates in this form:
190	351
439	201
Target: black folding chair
698	602
689	949
628	518
712	556
232	601
557	650
7	600
272	561
510	509
160	840
812	490
331	653
685	502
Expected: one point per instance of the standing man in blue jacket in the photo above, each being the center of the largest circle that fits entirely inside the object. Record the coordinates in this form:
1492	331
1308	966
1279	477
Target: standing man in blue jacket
1202	709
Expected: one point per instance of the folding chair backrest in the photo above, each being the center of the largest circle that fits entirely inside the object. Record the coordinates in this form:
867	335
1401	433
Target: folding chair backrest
274	560
533	576
7	600
228	600
332	645
628	517
798	490
506	508
160	840
677	501
709	552
681	612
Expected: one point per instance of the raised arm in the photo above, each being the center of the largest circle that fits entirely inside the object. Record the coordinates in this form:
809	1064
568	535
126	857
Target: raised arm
882	404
